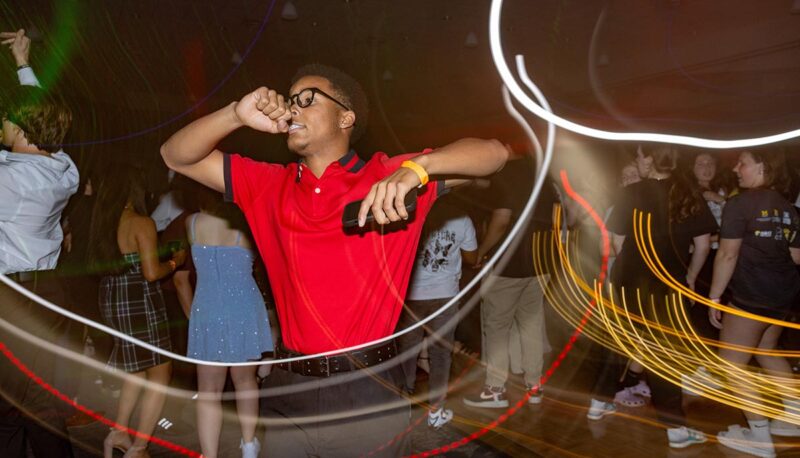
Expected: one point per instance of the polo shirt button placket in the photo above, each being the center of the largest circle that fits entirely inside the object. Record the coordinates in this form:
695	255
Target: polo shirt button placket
317	190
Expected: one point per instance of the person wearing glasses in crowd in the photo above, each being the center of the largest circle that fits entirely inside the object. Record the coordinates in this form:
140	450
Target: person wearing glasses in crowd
334	287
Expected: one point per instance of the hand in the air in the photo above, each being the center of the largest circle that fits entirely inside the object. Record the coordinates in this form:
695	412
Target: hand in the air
264	110
19	44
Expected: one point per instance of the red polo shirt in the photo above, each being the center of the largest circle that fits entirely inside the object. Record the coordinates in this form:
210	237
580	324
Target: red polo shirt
333	289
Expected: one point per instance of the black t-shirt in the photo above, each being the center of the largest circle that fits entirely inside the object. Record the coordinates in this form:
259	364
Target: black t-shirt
671	241
511	188
765	276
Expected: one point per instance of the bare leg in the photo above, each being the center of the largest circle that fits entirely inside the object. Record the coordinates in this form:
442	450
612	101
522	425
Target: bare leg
210	383
244	380
774	365
747	333
152	402
127	398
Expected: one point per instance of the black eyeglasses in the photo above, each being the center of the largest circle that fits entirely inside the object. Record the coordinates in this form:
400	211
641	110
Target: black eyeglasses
305	97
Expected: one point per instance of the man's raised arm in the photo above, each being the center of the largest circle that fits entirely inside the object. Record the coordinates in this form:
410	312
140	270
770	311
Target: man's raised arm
20	46
471	157
192	150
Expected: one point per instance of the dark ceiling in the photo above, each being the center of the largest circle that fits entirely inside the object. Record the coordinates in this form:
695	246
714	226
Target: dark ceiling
138	70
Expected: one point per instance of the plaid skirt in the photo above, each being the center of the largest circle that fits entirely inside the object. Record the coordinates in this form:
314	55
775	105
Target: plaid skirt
132	305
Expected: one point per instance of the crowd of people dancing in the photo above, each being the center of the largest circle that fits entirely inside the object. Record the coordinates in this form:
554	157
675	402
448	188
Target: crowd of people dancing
186	277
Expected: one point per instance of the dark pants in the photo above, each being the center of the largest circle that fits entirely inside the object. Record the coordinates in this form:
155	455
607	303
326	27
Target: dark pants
82	292
666	397
349	414
28	410
440	332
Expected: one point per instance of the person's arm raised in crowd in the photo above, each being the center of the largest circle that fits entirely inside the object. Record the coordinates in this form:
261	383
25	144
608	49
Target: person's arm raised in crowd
702	246
20	46
470	157
192	150
724	265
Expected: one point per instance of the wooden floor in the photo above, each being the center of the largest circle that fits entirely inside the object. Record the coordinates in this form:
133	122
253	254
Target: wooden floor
556	428
559	427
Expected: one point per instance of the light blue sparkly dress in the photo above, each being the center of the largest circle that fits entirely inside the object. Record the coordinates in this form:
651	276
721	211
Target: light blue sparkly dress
229	321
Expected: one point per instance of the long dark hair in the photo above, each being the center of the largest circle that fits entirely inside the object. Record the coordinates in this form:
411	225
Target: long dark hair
685	195
197	197
113	193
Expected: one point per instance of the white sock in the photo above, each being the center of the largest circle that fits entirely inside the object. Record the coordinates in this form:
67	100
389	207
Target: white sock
760	429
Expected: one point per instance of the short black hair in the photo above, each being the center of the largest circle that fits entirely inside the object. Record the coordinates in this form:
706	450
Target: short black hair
347	88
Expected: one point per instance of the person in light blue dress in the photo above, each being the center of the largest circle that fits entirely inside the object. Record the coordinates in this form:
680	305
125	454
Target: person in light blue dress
228	323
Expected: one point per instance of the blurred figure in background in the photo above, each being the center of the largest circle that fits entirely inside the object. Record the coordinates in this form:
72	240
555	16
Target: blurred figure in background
759	249
125	244
36	180
447	237
228	321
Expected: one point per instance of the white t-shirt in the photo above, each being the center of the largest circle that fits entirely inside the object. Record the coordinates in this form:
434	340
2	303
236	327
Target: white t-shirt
166	211
437	269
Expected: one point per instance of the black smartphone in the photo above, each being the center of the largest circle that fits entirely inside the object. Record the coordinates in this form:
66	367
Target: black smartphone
350	216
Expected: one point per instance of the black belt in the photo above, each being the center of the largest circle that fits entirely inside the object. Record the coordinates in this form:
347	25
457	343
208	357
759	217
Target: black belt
325	366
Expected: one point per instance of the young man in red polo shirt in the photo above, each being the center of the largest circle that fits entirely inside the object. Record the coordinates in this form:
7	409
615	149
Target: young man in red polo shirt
333	288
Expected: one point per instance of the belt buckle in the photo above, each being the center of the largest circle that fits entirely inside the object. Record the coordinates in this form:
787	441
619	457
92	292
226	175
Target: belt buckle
325	368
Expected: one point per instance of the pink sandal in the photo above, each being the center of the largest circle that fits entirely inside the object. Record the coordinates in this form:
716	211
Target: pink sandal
642	389
629	398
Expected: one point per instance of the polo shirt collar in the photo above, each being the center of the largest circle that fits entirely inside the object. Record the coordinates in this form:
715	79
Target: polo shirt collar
350	162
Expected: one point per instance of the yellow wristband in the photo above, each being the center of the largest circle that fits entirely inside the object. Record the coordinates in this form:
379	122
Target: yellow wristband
421	173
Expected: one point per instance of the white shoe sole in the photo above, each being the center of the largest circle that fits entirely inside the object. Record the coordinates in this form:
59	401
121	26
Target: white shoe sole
487	404
599	416
744	447
687	443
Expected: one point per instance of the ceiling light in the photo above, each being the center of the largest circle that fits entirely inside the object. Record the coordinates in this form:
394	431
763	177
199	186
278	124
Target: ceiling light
289	12
471	41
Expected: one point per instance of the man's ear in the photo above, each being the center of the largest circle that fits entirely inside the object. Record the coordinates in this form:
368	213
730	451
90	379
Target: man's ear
347	120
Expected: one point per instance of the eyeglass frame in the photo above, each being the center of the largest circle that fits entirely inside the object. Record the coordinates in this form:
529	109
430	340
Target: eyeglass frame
295	99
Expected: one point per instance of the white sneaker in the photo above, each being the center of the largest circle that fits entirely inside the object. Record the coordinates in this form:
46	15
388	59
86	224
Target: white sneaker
439	418
535	398
693	384
743	440
490	397
683	437
250	449
783	428
600	409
